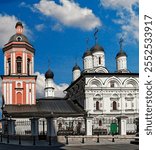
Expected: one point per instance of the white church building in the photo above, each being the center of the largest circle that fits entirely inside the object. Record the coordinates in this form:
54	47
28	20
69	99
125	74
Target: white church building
97	101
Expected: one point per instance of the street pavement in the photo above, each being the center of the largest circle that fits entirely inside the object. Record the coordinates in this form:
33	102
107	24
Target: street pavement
81	147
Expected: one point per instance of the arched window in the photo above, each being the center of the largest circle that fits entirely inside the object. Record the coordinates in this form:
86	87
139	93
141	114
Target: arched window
100	123
95	83
60	126
114	105
99	60
97	105
112	84
9	66
19	64
28	66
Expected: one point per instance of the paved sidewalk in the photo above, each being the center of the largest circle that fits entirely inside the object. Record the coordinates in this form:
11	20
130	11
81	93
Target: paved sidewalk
73	141
30	143
84	147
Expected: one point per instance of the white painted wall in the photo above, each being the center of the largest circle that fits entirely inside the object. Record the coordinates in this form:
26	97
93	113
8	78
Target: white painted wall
49	88
123	86
76	74
88	62
96	56
121	63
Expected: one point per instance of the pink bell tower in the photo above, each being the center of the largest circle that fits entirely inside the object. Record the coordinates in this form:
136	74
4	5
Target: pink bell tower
19	81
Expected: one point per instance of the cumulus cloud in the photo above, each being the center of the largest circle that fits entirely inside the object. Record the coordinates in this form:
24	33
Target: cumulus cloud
25	5
22	4
7	28
39	27
41	84
128	18
119	4
69	13
57	27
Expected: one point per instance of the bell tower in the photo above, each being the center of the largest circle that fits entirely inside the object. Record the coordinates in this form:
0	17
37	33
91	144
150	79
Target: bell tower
19	81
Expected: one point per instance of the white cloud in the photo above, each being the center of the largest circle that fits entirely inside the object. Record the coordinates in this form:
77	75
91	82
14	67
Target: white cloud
41	84
7	28
119	4
69	13
132	28
25	5
57	27
22	4
128	18
39	27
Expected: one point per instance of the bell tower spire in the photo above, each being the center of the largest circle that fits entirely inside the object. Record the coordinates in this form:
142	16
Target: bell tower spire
19	28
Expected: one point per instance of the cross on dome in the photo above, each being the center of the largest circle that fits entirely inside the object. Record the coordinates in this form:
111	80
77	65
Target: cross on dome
95	35
121	42
87	42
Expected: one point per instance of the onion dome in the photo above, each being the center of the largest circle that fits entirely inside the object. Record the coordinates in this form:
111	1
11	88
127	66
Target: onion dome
76	67
121	53
97	48
18	38
87	53
49	74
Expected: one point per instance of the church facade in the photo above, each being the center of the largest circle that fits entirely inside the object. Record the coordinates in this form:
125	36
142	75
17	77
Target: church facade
96	102
106	97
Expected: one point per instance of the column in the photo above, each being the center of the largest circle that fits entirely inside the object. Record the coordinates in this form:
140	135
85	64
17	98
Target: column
26	59
23	63
52	127
11	127
33	91
27	93
10	92
12	65
30	68
32	71
4	126
5	90
122	125
88	125
55	125
34	127
5	66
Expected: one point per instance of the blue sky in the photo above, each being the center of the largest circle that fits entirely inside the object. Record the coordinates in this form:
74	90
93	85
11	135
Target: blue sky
58	30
